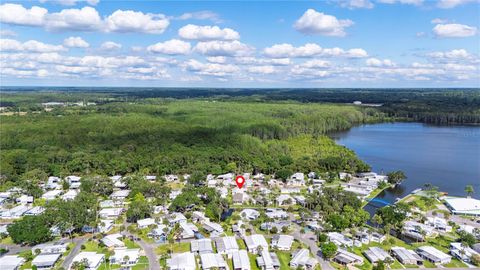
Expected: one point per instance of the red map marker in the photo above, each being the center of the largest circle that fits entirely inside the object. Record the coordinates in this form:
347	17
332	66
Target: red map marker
240	181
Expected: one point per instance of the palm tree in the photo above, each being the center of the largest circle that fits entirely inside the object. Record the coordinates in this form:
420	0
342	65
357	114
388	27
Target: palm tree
469	190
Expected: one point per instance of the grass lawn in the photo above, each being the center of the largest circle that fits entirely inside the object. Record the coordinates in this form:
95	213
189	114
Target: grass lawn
6	241
284	258
455	263
411	266
176	248
440	242
93	246
241	244
105	266
396	265
130	244
27	265
253	261
142	263
428	264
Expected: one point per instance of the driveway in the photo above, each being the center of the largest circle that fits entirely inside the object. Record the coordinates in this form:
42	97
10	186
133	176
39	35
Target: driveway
149	249
310	240
78	241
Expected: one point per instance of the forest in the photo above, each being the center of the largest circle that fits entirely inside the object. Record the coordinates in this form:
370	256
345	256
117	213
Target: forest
163	136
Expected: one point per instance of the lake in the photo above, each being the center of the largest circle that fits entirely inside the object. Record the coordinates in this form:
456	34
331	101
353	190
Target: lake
445	156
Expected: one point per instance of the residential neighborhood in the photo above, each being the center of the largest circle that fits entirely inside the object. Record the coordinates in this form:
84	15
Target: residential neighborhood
212	223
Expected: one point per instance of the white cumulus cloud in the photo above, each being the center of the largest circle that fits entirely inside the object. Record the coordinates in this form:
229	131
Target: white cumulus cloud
171	47
314	22
75	42
223	48
110	45
195	32
125	21
374	62
18	15
454	30
286	50
30	46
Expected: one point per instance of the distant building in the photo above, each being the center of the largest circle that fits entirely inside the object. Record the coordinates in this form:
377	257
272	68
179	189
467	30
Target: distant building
433	255
182	261
344	257
45	261
406	256
463	206
376	254
11	262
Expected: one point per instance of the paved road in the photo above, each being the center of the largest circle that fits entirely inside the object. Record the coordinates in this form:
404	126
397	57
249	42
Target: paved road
78	241
309	239
149	249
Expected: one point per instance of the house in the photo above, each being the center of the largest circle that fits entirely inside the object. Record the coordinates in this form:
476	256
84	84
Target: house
213	228
376	254
113	240
213	261
110	213
46	261
461	252
73	181
144	223
93	260
171	177
109	204
199	217
51	195
416	230
344	257
240	198
268	260
255	241
285	200
440	224
150	177
3	230
359	190
279	225
24	199
433	255
15	212
340	239
175	218
365	237
182	261
55	248
223	191
406	256
11	262
282	242
53	182
70	195
290	190
159	233
35	211
276	213
125	257
188	230
463	206
120	195
105	225
301	258
201	246
300	199
241	260
174	193
297	179
226	245
250	214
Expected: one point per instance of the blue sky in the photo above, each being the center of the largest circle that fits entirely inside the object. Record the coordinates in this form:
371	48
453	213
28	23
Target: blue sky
350	43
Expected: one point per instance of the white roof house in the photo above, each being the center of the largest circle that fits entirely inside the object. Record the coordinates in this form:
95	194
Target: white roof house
70	195
439	224
176	217
35	211
73	181
93	259
120	194
276	213
226	245
213	228
55	248
250	214
375	254
285	199
463	206
110	213
268	260
144	223
24	199
433	255
254	241
113	240
201	246
340	239
241	260
45	261
15	212
105	225
344	257
302	258
211	260
51	195
125	257
406	256
282	242
461	252
11	262
182	261
188	230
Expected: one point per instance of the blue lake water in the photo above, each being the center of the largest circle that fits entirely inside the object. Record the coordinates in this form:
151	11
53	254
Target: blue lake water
447	157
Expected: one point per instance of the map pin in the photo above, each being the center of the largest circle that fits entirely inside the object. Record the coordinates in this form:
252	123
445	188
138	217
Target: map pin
240	181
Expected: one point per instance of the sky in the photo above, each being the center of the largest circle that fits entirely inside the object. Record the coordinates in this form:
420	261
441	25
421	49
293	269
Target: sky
345	43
